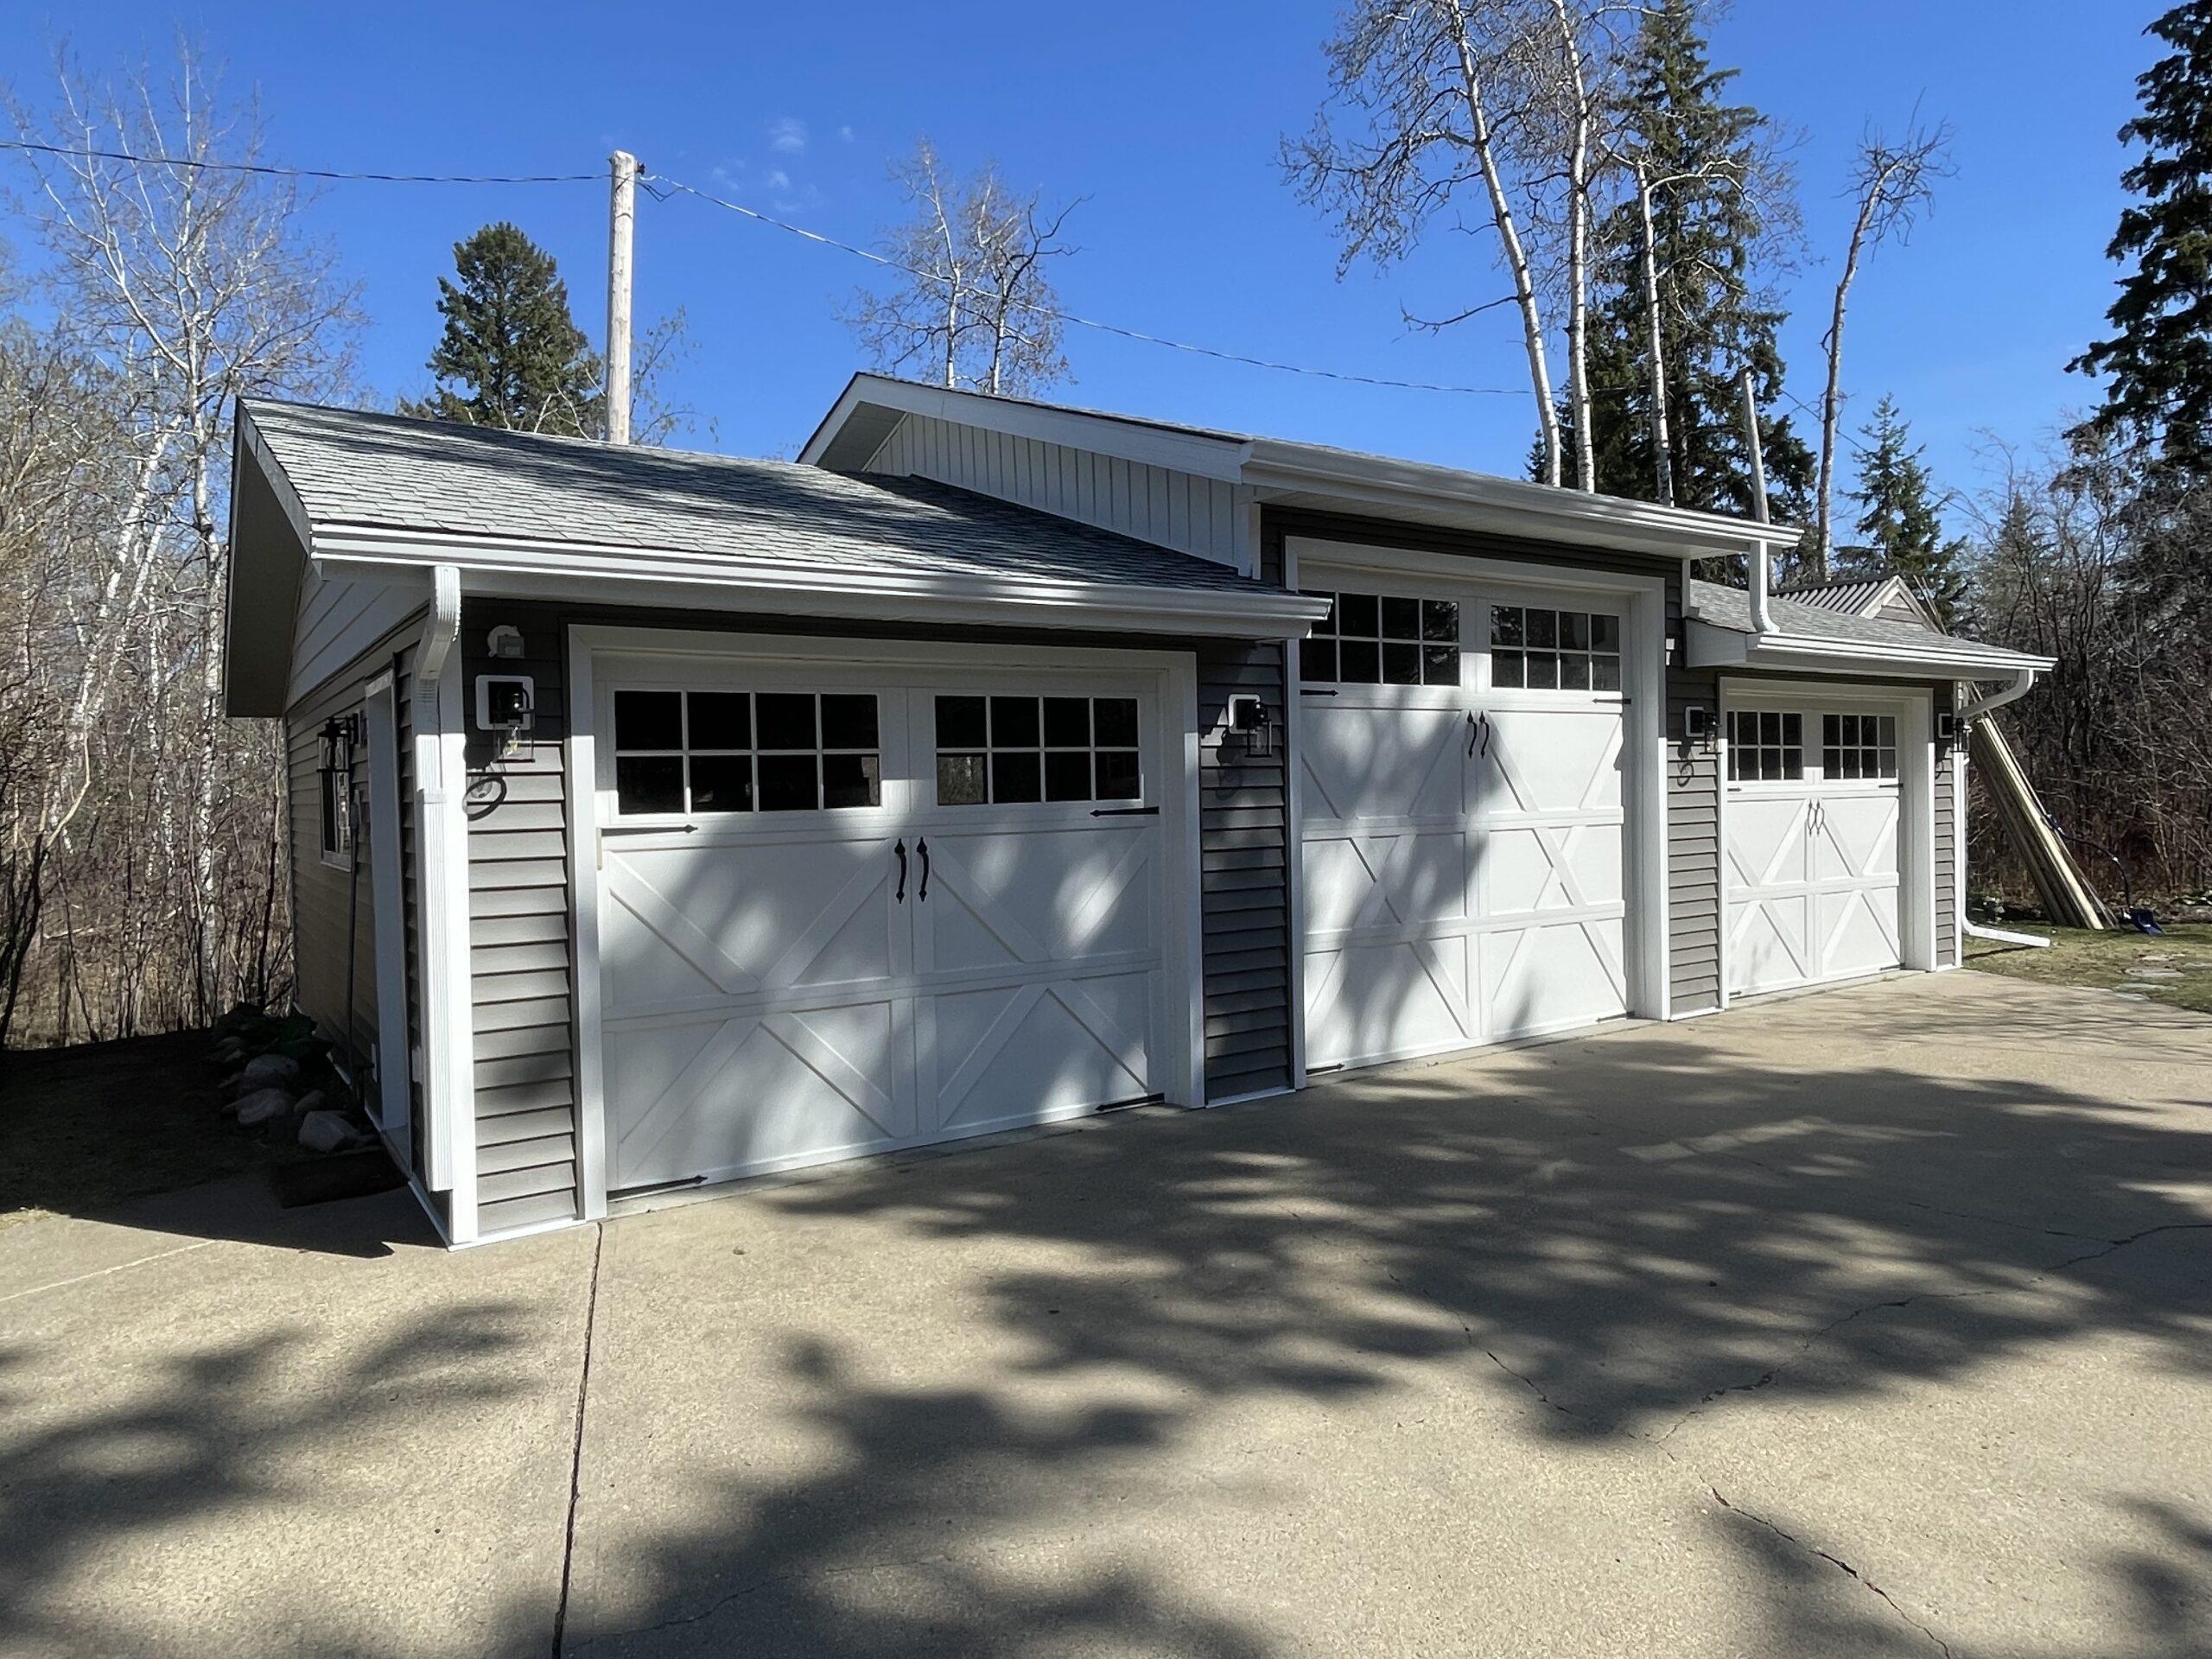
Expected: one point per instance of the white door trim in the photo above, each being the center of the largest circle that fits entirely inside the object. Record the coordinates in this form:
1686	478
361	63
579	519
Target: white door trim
1452	576
1183	1069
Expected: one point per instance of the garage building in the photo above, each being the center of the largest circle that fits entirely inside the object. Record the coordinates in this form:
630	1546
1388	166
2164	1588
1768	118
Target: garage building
662	819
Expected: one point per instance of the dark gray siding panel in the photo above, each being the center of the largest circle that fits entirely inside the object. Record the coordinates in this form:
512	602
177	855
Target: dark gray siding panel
520	952
1694	906
333	906
1243	844
1949	844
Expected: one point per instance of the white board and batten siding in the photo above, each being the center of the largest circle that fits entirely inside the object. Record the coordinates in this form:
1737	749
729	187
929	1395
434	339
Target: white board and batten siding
1203	517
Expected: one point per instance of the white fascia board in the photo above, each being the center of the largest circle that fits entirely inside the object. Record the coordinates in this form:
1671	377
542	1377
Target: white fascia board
1505	506
1786	653
618	575
1207	454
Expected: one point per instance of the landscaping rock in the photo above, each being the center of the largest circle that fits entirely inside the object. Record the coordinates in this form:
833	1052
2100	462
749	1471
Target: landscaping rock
329	1132
312	1101
229	1050
261	1105
269	1072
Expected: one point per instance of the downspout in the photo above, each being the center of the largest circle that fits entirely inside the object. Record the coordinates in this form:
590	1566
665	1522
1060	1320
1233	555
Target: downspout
442	884
1762	571
1762	578
2023	679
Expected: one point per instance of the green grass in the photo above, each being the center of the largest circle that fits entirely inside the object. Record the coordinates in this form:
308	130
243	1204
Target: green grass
83	1128
2175	969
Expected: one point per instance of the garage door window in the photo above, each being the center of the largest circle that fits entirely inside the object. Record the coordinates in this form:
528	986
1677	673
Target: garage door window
1765	747
1383	639
1858	746
1545	650
1008	751
711	751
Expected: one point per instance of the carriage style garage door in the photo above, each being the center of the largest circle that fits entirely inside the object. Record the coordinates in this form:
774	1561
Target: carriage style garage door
1814	819
1463	830
842	913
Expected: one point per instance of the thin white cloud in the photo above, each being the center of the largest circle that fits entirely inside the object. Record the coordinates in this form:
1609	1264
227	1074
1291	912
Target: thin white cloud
845	133
787	136
779	180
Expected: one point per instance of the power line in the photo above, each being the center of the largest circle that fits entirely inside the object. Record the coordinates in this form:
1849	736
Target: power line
266	170
667	186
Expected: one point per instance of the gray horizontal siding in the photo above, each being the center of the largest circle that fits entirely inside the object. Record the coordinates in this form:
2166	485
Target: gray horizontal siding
520	949
1949	850
1200	516
1693	905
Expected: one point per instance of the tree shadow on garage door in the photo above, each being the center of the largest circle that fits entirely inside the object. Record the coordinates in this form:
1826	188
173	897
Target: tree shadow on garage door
1136	1389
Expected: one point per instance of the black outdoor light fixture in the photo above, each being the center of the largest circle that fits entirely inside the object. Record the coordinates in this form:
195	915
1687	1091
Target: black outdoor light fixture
1248	720
341	735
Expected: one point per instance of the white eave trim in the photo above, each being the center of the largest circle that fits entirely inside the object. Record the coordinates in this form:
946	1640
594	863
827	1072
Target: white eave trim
592	574
1712	646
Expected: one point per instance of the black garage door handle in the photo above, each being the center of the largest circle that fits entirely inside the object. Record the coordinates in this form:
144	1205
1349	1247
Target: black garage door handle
900	896
923	848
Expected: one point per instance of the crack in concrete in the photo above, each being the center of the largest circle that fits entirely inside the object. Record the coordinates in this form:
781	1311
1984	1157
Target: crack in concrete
1834	1560
1773	1373
576	1451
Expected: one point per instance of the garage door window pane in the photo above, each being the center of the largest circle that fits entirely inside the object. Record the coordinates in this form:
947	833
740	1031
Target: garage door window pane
1545	650
1067	723
1016	778
1013	722
960	724
1067	775
847	722
719	720
786	721
1116	719
1858	746
790	783
1119	779
648	720
962	779
852	780
720	783
649	782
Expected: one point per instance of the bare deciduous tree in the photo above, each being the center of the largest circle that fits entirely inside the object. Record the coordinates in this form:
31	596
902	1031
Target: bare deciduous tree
1892	183
975	305
178	286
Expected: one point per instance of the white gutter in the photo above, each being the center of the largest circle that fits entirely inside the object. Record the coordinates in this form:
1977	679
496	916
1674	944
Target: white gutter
2023	680
442	626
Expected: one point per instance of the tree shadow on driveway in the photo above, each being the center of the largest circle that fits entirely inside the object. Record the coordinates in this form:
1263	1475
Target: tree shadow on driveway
1595	1245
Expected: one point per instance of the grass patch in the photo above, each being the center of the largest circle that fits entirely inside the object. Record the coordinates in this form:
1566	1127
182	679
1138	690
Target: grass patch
83	1128
2175	969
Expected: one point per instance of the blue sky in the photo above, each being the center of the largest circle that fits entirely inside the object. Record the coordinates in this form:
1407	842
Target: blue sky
1165	116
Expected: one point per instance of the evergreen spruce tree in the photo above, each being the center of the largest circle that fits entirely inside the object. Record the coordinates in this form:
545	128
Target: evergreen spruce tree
1708	225
2159	358
512	355
1900	522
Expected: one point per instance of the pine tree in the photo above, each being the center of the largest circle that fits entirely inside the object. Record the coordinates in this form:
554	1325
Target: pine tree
512	355
1713	208
2159	360
1900	520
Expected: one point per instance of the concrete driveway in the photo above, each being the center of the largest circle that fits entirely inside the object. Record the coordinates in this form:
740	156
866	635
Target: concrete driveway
1873	1323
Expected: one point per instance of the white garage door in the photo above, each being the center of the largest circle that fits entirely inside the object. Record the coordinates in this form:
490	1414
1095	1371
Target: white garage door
1811	845
1462	829
841	915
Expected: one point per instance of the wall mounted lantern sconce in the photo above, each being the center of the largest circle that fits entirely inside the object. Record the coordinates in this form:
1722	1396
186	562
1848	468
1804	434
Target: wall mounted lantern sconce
1248	722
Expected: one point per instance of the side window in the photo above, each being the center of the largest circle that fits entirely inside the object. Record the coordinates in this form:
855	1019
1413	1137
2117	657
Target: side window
1383	639
1005	751
700	752
1766	747
1546	650
1858	746
337	817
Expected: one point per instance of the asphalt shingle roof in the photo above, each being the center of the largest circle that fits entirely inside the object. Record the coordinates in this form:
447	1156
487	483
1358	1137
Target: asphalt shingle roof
356	468
1731	607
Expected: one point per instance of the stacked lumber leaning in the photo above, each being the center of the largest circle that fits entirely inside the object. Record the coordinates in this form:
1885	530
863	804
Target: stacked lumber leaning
2067	900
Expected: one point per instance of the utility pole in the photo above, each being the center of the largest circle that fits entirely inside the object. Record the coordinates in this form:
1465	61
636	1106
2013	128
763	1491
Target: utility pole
621	224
